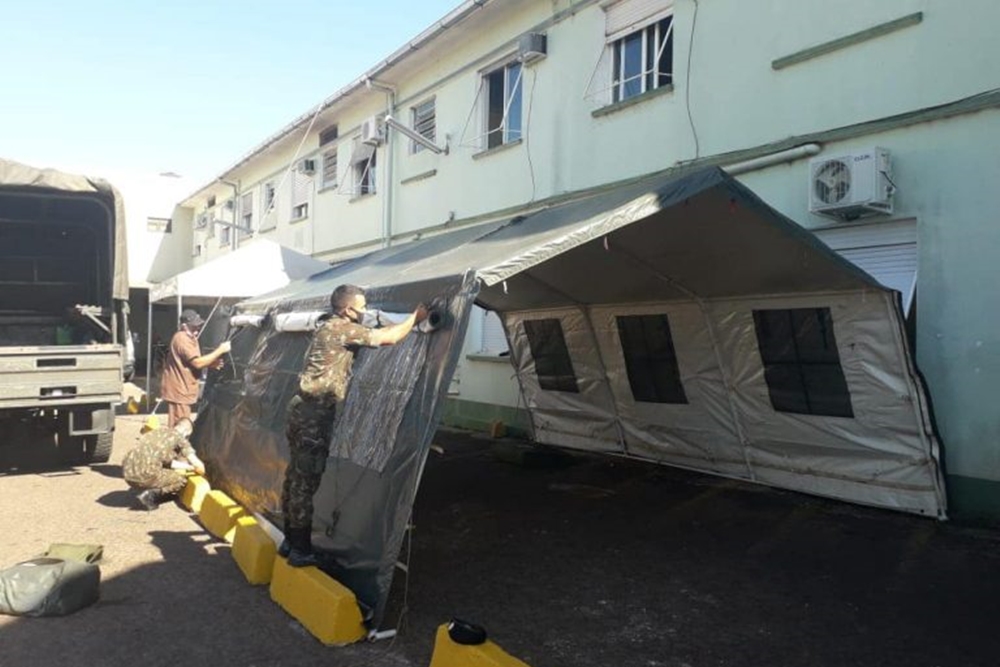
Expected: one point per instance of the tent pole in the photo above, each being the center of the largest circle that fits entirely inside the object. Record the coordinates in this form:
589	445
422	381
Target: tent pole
713	337
149	345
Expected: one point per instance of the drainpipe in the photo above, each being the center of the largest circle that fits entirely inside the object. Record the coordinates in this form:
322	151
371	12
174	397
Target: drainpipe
390	94
790	155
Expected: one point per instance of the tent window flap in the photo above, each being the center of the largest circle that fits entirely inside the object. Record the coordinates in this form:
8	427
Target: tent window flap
552	361
650	359
801	363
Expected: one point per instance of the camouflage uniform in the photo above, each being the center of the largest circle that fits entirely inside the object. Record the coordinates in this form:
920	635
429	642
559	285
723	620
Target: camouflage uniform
322	384
147	466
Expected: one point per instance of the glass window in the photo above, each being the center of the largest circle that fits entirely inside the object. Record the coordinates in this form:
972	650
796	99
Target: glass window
643	60
503	105
424	124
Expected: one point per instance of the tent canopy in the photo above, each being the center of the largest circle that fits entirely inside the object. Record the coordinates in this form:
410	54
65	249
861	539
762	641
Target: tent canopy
678	319
257	267
702	235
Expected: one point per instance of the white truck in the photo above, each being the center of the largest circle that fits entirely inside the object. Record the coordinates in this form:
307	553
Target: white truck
64	332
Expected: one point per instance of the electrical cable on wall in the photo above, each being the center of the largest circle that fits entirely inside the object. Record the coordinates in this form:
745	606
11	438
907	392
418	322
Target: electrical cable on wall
291	163
687	82
527	134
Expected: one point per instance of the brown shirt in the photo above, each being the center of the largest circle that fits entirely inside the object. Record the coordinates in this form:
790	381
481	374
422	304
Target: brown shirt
328	361
179	383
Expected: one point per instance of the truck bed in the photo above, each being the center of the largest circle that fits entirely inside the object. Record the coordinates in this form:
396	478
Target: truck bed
60	376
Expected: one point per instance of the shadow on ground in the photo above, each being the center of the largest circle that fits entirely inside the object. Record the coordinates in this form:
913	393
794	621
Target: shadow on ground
596	564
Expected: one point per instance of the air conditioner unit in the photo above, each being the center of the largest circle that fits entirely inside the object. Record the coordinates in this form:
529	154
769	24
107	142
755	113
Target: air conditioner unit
307	166
531	47
371	131
202	221
851	186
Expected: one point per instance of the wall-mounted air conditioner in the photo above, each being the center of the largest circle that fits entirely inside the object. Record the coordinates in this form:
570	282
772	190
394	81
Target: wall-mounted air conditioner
853	185
306	166
201	222
371	131
531	47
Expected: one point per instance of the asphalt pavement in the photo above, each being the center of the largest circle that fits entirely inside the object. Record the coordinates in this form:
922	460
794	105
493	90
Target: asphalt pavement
572	561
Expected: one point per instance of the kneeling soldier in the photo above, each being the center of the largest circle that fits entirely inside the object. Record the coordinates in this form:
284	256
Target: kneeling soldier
154	463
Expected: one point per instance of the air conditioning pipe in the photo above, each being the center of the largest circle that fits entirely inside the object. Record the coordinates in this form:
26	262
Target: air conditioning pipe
790	155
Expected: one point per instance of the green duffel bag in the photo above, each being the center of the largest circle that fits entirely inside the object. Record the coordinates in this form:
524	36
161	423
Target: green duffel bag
48	587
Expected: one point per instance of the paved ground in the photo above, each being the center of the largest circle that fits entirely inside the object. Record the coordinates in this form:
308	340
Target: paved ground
578	563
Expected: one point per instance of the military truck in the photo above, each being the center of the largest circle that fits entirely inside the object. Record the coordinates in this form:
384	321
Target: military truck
63	309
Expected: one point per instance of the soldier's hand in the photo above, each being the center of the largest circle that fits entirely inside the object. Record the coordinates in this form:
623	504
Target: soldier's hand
420	313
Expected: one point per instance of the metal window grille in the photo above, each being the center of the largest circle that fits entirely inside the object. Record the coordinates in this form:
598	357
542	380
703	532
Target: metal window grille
642	60
330	168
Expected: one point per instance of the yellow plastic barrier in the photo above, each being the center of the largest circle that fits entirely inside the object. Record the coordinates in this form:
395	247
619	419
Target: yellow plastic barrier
449	654
194	493
219	513
325	607
253	550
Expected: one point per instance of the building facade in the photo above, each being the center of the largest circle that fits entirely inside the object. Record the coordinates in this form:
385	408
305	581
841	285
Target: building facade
874	126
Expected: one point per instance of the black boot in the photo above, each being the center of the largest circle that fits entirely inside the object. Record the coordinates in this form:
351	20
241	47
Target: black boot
150	499
300	553
285	547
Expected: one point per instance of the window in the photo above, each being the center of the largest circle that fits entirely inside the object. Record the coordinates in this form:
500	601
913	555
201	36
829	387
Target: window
328	135
301	187
268	220
329	168
196	250
801	363
211	201
225	235
650	359
553	366
161	225
642	61
424	124
246	215
364	169
503	105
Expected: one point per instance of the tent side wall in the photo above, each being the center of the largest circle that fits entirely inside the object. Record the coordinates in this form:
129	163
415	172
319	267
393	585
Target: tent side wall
720	417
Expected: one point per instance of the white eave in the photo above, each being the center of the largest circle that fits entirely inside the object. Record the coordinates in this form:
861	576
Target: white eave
451	19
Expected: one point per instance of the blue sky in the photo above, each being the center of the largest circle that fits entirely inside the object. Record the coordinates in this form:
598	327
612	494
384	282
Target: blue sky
181	85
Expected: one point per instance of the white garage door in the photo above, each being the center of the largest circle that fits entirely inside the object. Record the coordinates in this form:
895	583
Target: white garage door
885	250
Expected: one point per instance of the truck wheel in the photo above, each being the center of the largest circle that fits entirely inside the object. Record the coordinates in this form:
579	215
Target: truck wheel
97	448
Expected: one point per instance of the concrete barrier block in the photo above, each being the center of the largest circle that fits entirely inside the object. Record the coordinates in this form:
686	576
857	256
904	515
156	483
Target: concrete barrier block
449	654
194	493
253	550
324	606
219	513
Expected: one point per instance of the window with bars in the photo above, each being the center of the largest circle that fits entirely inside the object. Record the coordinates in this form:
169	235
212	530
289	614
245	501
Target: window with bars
329	168
424	123
503	104
363	167
268	219
553	365
650	359
801	362
328	135
642	61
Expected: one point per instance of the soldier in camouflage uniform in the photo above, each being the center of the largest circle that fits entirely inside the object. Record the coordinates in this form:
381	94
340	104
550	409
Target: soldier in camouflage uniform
154	463
309	421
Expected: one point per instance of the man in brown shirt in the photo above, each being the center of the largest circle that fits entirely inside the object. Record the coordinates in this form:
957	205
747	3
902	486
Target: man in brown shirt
179	382
322	384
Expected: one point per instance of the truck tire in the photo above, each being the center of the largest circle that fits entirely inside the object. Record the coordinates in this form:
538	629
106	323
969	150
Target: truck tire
97	448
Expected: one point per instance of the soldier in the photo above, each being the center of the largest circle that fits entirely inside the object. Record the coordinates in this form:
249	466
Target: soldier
154	463
322	384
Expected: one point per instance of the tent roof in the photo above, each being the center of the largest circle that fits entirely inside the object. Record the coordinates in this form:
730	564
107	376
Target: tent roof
257	267
700	234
